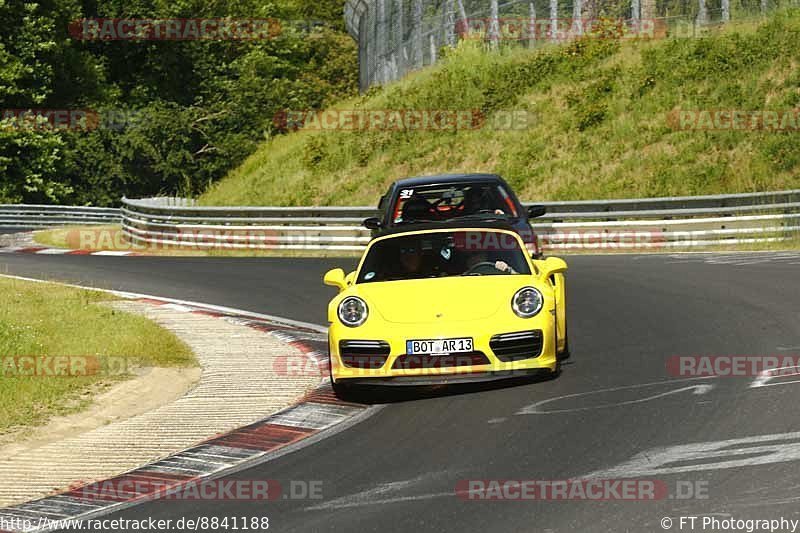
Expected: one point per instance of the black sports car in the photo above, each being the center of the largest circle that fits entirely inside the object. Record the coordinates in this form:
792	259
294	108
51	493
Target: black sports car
447	197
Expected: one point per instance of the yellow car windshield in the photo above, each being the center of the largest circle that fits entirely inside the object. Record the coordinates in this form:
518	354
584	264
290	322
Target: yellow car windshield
443	254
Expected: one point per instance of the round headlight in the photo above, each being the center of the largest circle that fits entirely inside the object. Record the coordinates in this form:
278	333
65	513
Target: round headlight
353	311
527	302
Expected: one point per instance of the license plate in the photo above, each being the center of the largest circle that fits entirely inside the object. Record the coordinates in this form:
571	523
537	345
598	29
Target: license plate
439	346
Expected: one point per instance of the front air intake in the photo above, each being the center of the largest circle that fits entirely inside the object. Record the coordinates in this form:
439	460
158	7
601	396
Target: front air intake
364	354
519	345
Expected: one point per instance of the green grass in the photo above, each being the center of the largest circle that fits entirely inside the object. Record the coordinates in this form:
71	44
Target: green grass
70	236
601	130
39	319
104	238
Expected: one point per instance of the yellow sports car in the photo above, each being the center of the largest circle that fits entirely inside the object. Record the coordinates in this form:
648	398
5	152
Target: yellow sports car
446	303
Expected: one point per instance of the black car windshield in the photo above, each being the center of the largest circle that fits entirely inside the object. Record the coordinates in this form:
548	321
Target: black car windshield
444	254
444	202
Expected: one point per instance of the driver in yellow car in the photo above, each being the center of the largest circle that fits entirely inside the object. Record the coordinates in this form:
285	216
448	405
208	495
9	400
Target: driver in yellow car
475	259
411	260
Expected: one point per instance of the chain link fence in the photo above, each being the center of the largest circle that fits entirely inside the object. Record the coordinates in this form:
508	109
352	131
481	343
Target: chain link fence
398	36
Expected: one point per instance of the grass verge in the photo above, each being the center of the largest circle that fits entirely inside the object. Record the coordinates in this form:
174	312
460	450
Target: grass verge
53	321
69	237
604	123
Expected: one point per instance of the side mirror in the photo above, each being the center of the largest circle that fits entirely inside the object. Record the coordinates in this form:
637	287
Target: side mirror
335	278
348	279
536	211
373	223
553	265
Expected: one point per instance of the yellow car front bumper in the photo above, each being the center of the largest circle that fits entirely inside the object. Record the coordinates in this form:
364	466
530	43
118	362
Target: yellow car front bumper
383	351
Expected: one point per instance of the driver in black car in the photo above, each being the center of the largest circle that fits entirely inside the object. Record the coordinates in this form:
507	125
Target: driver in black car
475	202
416	209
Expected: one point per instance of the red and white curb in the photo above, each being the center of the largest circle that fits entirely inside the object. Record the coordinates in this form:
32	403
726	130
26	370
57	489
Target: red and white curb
316	416
41	250
24	243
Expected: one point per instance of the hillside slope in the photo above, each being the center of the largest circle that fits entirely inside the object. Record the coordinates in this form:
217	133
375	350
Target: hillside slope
605	123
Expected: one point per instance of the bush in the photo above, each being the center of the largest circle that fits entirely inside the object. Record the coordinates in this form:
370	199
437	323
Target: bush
191	110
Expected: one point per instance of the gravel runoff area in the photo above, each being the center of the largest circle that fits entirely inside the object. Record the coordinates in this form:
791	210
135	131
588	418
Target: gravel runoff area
240	382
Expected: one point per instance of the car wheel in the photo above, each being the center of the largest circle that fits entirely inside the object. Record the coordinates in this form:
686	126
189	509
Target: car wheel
553	374
343	391
564	354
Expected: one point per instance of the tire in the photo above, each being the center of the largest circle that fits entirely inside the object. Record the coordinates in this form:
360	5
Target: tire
548	375
553	374
565	353
343	391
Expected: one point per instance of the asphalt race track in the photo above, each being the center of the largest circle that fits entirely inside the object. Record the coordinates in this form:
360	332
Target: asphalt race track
398	470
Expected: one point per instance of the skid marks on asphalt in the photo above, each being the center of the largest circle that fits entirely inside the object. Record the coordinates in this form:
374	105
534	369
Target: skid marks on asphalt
616	396
711	455
391	492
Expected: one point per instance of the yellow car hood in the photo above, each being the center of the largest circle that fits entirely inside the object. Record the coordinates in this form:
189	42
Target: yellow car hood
450	299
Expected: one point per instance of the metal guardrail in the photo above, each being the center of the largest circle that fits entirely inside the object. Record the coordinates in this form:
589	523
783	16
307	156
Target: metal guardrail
597	224
717	201
26	215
